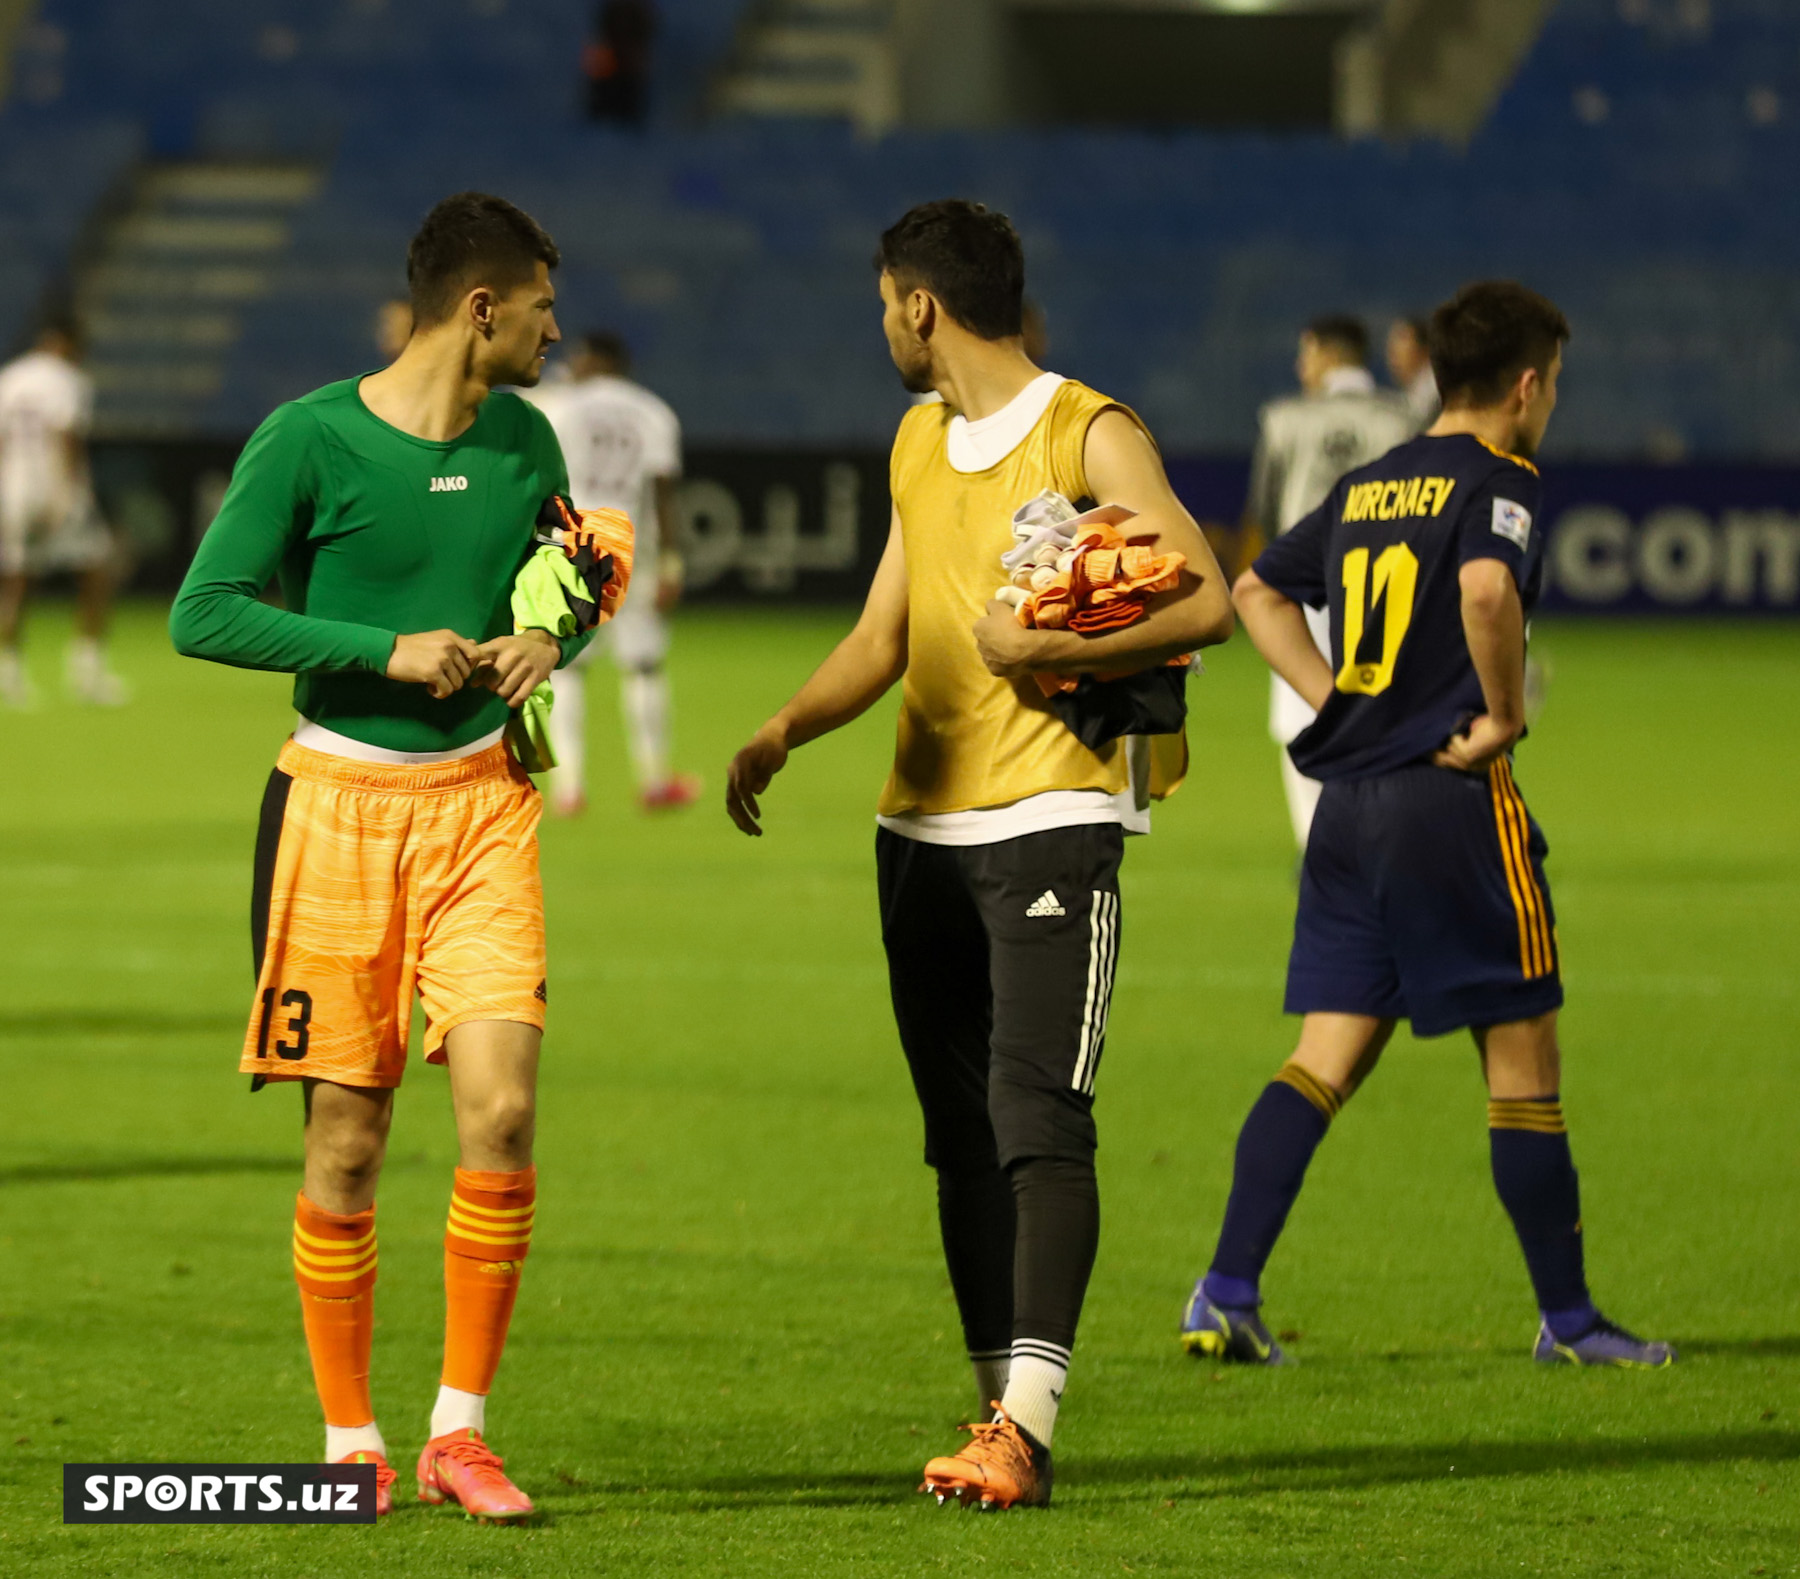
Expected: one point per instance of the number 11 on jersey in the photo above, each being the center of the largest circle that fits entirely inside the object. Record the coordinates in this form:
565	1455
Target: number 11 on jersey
1396	574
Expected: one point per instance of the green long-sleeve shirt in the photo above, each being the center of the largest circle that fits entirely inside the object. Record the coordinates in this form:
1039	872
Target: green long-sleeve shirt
373	533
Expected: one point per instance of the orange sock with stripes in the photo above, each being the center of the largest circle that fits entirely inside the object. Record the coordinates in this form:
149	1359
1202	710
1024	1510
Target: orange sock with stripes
485	1243
334	1265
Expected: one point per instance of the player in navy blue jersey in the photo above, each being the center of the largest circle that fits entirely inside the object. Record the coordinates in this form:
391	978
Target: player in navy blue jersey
1422	895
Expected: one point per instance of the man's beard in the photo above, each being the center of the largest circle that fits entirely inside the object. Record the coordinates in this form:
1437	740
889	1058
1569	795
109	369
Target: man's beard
915	376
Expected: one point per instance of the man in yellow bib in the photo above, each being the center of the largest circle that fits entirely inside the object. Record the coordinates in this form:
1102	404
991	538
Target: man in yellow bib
1000	833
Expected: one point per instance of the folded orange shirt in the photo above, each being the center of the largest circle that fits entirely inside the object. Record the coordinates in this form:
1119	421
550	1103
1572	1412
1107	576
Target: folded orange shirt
1106	586
589	537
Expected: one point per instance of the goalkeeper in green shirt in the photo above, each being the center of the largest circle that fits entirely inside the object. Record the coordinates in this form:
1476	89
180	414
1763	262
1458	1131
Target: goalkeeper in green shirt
397	851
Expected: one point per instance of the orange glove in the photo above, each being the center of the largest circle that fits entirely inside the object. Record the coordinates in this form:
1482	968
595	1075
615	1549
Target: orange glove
600	542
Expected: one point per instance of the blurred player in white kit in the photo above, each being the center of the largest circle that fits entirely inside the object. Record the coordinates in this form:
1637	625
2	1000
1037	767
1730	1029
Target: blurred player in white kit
1337	422
1409	365
48	518
623	448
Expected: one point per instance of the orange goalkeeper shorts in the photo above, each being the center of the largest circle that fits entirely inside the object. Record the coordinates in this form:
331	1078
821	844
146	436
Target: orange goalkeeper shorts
373	882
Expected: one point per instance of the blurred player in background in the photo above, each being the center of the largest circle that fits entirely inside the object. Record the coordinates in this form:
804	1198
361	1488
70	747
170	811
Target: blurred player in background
1000	833
398	844
1304	444
49	520
1423	895
1034	331
1409	365
393	328
623	448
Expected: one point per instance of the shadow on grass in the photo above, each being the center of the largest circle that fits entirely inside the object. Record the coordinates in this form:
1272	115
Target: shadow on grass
1351	1468
95	1170
116	1022
1207	1478
718	1493
1746	1348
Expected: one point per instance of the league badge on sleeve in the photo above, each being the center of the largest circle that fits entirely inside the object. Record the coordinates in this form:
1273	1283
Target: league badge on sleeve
1513	522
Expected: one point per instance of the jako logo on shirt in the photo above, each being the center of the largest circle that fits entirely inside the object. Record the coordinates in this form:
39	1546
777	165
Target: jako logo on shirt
449	484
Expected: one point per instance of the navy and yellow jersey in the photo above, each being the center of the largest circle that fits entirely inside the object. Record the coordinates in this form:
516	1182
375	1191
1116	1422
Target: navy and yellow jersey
1383	552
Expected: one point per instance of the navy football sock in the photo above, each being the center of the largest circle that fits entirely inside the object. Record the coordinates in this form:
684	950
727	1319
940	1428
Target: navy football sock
1535	1176
1274	1148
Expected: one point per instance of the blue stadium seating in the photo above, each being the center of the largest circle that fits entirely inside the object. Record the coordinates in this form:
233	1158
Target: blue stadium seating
1638	169
54	170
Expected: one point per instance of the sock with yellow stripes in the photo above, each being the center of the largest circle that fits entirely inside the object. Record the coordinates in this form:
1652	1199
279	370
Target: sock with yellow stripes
334	1266
1535	1176
485	1243
1274	1149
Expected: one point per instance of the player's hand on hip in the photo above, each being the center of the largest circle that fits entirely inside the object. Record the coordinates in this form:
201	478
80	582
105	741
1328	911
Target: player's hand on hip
439	660
1478	746
1006	647
749	775
515	666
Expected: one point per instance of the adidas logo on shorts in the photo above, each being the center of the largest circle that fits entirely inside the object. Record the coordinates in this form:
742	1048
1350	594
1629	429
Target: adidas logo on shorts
1046	904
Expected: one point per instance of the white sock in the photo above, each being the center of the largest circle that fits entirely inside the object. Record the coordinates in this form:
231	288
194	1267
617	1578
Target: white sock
644	696
1034	1385
990	1380
458	1411
568	735
343	1440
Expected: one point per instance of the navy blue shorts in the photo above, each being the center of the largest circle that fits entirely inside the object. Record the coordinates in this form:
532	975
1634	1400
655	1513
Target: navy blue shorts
1423	898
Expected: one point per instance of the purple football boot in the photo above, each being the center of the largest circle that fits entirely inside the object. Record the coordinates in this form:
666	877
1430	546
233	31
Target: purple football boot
1604	1343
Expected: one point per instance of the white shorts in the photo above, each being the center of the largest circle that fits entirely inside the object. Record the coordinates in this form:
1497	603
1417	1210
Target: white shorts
41	536
1288	714
637	637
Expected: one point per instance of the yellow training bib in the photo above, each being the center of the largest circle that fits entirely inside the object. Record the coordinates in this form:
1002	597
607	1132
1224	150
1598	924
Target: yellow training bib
968	739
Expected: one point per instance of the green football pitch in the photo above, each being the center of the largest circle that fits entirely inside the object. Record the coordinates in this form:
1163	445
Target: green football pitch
736	1344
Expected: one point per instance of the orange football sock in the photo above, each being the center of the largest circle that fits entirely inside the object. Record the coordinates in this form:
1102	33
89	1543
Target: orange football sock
334	1264
484	1253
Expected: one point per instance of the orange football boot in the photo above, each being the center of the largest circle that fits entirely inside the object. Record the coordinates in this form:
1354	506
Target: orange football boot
1005	1466
459	1467
384	1479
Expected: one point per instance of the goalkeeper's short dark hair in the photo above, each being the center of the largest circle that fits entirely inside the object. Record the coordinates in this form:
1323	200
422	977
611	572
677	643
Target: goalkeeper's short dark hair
968	256
468	240
1344	334
608	346
1486	335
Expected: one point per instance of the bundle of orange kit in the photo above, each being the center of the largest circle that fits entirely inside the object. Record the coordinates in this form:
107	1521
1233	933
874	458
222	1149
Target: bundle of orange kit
575	579
1080	573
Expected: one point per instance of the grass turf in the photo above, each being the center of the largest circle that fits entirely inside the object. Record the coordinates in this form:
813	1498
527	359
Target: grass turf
736	1342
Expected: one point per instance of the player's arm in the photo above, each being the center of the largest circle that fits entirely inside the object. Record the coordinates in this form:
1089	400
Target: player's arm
1278	630
1123	468
1493	619
516	664
861	669
1498	554
1272	597
219	613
